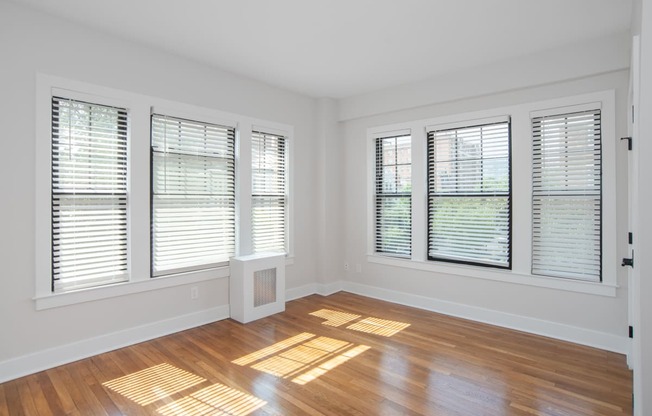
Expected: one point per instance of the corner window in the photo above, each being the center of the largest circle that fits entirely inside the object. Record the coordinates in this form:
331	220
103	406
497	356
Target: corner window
393	195
193	195
566	195
89	194
469	194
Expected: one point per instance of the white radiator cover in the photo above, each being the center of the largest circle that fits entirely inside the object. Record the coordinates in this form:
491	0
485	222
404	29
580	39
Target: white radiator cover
257	286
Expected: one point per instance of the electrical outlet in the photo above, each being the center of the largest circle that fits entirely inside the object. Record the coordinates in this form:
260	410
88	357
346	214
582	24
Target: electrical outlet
194	292
358	267
346	267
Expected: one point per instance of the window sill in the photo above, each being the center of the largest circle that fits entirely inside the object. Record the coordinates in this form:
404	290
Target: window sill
56	300
601	289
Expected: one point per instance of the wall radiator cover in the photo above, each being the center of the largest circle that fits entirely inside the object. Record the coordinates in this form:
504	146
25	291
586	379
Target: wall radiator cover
257	286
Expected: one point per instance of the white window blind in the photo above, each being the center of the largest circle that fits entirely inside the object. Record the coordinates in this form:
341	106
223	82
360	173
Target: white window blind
393	197
566	199
193	195
269	199
469	195
89	195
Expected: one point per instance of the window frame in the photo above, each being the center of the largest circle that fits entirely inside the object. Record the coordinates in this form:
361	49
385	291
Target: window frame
172	114
471	124
286	200
376	195
63	195
569	110
138	187
521	167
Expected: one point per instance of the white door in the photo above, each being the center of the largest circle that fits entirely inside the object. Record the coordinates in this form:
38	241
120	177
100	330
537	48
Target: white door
633	273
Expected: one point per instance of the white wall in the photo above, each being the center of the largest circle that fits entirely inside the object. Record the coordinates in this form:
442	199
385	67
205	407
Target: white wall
32	43
592	319
330	212
572	61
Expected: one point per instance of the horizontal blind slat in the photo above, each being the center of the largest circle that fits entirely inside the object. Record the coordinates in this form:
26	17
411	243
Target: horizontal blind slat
469	211
566	195
393	199
89	184
193	194
269	188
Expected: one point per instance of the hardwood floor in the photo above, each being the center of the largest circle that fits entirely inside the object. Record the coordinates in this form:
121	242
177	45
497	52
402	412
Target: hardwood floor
337	355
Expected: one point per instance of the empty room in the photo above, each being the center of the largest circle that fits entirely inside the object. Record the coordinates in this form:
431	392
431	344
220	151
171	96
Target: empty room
299	207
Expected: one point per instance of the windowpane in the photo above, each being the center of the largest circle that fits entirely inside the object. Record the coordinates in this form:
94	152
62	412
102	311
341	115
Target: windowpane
566	195
89	195
269	193
193	195
393	195
469	209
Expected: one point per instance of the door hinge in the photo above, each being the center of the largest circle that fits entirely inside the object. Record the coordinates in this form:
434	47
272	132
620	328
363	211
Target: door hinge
631	331
632	114
629	142
628	262
630	238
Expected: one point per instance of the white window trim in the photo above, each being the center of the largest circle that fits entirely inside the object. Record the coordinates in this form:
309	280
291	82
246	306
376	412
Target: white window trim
521	148
245	188
381	134
287	132
139	109
474	123
207	118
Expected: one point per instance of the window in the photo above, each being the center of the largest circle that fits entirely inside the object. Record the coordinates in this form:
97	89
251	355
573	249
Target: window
469	194
269	199
393	195
193	195
89	194
525	194
130	187
566	195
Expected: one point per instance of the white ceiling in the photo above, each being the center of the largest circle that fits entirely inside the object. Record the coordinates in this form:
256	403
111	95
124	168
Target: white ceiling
341	48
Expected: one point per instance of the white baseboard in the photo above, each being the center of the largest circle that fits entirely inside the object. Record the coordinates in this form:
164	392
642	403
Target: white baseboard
330	288
53	357
313	289
300	292
550	329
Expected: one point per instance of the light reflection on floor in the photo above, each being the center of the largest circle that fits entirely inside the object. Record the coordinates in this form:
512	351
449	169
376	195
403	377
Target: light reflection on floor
154	383
217	399
279	346
378	326
163	380
334	318
305	362
370	325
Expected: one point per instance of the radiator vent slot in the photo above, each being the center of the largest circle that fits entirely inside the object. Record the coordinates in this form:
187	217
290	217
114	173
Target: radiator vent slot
264	287
257	286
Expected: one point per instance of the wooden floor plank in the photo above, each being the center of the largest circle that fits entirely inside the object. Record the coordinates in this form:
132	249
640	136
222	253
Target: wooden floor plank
4	408
26	400
379	359
14	406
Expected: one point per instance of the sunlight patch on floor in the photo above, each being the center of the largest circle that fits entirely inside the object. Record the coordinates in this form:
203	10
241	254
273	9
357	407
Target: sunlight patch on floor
334	318
217	399
305	362
369	325
279	346
323	368
378	326
154	383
